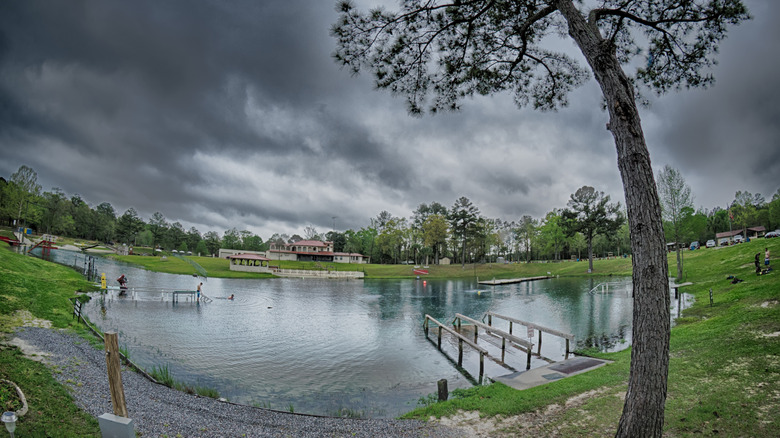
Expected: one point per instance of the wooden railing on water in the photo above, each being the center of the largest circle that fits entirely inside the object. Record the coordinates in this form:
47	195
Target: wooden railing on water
461	339
568	336
504	337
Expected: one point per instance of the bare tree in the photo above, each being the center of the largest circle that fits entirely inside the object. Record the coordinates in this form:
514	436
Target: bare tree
675	195
310	233
454	49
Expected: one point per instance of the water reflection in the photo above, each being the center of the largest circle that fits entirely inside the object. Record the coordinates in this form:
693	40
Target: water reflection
327	345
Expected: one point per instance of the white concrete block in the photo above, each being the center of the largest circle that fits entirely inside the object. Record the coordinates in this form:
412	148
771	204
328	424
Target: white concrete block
114	426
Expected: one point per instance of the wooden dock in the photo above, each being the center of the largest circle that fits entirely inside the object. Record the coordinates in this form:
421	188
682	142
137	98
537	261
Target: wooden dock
492	332
461	339
495	282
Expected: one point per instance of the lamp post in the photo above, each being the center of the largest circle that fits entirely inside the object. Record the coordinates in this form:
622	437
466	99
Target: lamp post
9	418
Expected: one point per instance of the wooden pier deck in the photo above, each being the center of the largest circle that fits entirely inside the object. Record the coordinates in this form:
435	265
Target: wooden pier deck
495	282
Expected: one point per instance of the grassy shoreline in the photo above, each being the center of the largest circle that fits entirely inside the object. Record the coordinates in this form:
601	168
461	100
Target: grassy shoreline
220	268
724	374
32	288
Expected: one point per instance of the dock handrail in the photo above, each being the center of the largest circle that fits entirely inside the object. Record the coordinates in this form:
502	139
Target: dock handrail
461	339
568	336
504	337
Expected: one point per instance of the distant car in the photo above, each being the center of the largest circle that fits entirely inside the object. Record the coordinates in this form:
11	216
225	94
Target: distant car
694	245
738	238
710	243
723	242
771	234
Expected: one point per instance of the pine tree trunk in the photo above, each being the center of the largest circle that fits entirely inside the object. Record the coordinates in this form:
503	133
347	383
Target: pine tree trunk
590	254
643	411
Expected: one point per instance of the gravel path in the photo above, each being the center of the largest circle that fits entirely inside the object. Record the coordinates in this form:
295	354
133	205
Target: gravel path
157	410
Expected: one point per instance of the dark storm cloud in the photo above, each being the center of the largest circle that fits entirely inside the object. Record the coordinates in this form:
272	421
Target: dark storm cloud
233	114
139	86
727	138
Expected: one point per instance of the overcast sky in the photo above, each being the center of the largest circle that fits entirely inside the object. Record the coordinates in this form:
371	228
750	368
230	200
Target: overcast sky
223	114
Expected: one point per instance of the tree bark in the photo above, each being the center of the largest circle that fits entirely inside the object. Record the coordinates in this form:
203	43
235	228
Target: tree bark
590	254
643	411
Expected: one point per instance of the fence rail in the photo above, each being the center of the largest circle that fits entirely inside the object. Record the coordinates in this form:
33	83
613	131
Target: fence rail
461	339
568	336
504	337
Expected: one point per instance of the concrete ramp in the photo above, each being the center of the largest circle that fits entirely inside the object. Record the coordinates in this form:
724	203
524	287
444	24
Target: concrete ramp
548	373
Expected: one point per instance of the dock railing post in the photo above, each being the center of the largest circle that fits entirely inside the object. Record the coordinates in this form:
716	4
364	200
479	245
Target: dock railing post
481	365
490	320
439	345
425	326
539	350
460	352
510	327
567	348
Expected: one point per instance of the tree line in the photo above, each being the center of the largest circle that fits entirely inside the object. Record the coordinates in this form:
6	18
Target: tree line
589	225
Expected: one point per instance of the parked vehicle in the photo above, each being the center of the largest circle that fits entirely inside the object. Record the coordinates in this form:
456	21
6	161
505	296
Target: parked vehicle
694	245
711	243
738	238
723	241
775	233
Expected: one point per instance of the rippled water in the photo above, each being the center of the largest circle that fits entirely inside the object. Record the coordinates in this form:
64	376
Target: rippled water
325	345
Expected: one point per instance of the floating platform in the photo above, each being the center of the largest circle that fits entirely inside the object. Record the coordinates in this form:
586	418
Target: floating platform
495	282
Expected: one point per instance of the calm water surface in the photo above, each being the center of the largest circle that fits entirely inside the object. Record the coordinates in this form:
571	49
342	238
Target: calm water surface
325	345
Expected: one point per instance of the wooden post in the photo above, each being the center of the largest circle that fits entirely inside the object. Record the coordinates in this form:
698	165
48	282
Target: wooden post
115	374
440	330
476	333
503	348
425	327
444	394
679	304
567	348
481	365
490	320
510	327
460	352
528	364
539	351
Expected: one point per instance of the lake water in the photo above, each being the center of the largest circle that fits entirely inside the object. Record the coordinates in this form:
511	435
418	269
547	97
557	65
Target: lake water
320	346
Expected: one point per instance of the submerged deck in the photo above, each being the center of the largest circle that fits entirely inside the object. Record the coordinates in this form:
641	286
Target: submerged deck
548	373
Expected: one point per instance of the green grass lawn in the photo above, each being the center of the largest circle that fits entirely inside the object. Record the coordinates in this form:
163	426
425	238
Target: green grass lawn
42	289
724	374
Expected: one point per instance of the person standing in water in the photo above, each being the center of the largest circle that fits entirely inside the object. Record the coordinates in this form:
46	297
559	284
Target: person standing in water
122	280
200	286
